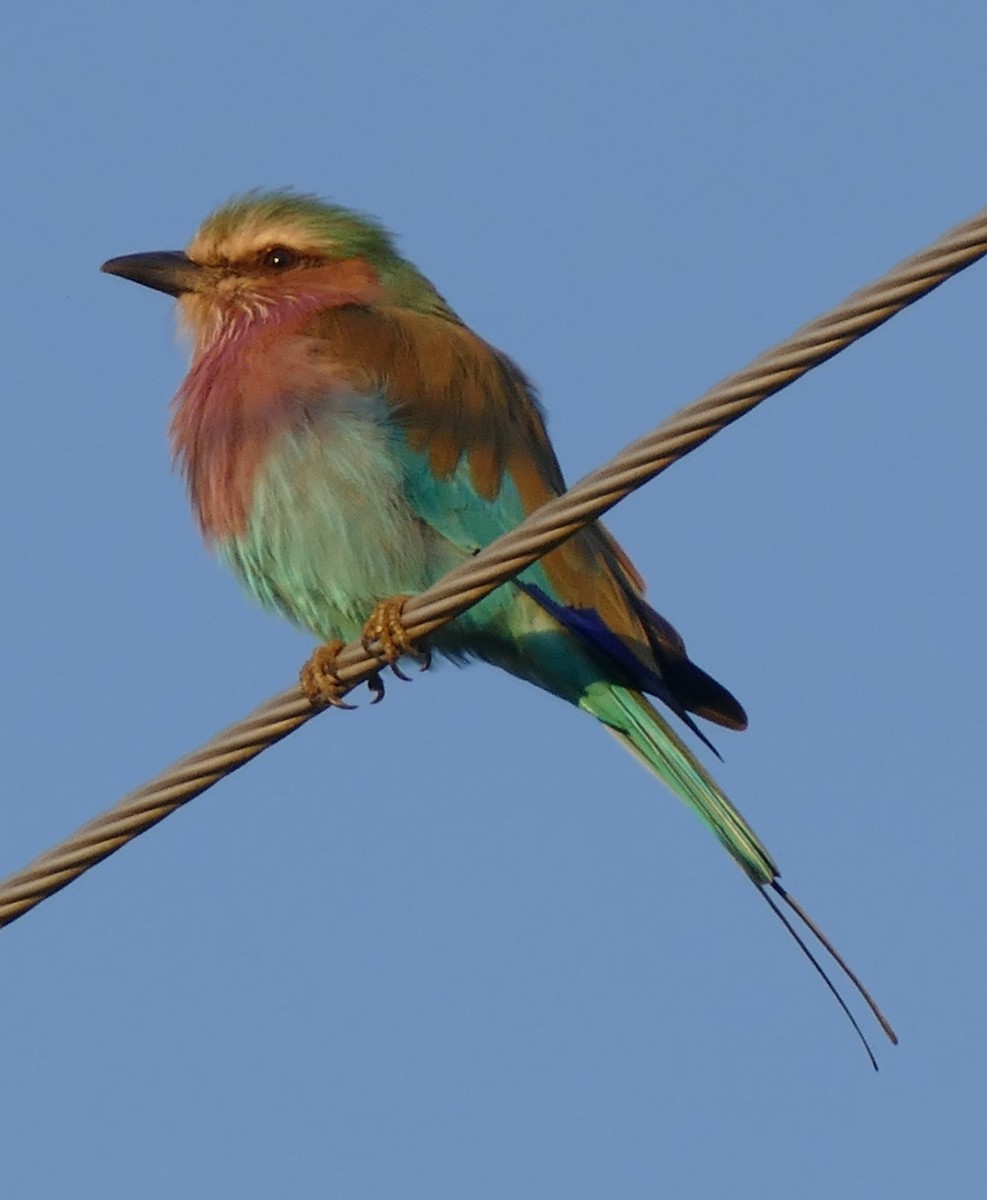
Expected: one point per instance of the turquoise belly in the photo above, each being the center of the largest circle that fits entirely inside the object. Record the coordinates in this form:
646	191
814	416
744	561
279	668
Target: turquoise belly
331	531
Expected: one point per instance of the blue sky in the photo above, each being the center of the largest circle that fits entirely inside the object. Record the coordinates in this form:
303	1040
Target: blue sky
460	944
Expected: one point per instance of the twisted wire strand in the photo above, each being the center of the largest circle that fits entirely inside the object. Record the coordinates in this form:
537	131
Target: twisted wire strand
545	529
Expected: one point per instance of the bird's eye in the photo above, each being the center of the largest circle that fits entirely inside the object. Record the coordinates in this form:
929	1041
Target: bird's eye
279	258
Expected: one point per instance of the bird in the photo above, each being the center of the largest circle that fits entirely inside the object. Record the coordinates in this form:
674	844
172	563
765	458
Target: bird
346	439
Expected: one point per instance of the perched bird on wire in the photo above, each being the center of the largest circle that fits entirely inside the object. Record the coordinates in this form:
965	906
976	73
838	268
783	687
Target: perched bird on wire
347	440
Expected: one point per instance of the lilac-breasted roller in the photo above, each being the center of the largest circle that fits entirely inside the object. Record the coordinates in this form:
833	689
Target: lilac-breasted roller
347	440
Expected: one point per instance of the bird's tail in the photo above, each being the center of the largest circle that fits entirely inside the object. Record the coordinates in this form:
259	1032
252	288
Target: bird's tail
638	726
642	730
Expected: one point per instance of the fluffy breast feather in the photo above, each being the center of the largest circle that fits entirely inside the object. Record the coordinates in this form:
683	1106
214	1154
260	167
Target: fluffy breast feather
260	378
330	531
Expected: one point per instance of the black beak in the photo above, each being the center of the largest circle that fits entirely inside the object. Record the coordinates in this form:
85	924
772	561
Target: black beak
168	271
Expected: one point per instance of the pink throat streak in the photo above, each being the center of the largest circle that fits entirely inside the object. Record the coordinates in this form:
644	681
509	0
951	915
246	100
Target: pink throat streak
258	377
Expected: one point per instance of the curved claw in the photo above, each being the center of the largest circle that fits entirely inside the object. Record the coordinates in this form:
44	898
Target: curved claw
385	629
319	680
376	685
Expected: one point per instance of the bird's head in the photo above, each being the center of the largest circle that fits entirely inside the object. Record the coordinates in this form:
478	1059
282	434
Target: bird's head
265	250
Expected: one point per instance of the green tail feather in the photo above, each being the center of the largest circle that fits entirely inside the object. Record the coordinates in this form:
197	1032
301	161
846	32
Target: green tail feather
643	731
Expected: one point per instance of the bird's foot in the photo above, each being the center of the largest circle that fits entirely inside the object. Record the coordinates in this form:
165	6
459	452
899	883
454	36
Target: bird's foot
321	683
384	626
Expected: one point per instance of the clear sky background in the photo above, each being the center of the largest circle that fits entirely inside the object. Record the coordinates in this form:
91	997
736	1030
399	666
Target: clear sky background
461	945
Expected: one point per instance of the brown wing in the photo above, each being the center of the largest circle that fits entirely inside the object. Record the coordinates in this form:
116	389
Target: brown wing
456	396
